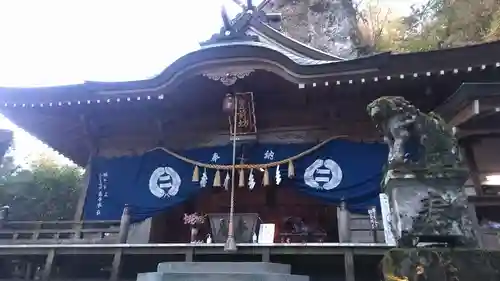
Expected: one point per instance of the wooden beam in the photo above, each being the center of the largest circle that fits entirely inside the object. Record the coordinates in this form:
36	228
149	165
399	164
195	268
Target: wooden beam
470	159
465	114
482	133
161	131
90	133
486	106
485	200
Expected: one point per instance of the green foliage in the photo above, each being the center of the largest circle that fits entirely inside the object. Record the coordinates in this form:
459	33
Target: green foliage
494	28
448	23
44	191
371	27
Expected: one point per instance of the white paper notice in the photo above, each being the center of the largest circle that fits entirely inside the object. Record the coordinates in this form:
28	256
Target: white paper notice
266	233
387	219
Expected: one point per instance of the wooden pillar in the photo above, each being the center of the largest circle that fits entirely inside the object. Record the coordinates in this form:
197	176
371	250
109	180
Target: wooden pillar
189	256
349	265
92	148
47	269
124	225
116	266
80	205
475	224
344	223
470	158
28	273
266	254
83	195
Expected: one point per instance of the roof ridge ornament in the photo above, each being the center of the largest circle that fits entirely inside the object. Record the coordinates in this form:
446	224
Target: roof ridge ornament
228	76
248	6
234	30
234	26
228	27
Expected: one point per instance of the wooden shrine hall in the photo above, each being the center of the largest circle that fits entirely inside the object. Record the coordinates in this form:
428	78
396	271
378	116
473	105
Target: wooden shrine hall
252	130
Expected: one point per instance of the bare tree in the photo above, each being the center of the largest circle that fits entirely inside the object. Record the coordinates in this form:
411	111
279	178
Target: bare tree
343	27
373	20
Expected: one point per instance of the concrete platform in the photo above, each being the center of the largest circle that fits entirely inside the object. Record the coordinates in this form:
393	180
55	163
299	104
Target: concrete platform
223	267
221	271
160	276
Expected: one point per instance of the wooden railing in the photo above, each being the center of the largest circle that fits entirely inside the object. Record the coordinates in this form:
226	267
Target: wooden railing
490	238
356	228
353	229
24	232
362	232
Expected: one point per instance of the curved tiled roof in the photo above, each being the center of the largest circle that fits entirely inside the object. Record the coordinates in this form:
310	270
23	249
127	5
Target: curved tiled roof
297	58
274	37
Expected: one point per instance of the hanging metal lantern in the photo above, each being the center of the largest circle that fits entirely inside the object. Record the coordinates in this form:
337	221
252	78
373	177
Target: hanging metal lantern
228	104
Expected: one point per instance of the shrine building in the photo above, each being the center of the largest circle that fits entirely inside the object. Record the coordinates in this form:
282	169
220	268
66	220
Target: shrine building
256	124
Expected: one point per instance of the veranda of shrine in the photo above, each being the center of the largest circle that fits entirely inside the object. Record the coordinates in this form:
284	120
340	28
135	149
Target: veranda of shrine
299	95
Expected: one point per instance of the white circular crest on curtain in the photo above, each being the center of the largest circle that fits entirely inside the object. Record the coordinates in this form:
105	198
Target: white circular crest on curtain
323	174
164	182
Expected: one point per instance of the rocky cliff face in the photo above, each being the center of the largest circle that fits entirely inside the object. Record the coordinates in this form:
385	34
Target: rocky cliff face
328	25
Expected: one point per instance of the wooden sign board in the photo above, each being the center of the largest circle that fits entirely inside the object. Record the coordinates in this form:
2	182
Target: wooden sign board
245	115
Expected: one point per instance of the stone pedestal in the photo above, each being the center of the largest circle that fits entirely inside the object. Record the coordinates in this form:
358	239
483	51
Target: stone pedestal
430	208
440	264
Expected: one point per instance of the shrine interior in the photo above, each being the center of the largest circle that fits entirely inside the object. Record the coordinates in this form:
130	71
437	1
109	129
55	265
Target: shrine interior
298	217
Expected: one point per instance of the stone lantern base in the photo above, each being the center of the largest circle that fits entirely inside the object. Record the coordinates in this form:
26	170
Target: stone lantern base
430	208
440	264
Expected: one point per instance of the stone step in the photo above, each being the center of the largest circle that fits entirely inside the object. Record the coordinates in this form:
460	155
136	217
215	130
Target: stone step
224	267
188	276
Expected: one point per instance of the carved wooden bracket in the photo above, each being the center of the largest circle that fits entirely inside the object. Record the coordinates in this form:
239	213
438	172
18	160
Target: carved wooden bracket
228	76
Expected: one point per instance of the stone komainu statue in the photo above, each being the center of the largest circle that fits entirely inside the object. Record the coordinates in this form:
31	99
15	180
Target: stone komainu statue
399	122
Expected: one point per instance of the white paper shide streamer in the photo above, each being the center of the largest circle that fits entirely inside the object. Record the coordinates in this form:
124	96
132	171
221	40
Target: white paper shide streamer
226	181
251	180
278	175
204	179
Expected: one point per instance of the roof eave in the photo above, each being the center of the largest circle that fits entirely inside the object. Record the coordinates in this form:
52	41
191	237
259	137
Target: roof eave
291	43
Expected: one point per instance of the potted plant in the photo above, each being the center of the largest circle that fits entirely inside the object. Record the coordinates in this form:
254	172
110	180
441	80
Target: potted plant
194	220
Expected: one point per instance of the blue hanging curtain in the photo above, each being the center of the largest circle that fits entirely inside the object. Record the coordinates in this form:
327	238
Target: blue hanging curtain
339	170
157	180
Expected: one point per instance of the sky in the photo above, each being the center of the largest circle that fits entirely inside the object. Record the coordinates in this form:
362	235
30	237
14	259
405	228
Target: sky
57	42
